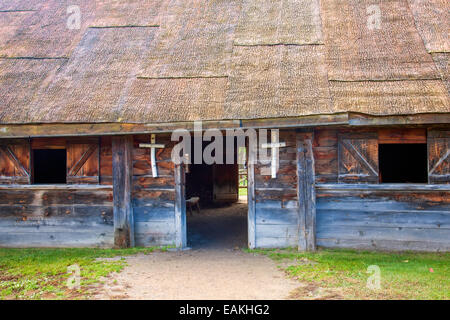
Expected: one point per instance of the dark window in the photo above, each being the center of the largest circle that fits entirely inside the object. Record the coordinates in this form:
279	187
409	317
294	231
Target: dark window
49	165
403	163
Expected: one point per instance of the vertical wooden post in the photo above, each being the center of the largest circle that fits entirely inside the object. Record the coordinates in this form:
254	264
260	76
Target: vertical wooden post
180	207
251	216
122	166
306	195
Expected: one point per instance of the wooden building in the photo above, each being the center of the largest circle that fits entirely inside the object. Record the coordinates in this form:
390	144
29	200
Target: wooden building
358	89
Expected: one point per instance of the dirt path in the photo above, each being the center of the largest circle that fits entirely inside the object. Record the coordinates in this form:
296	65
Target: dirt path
215	268
218	228
199	274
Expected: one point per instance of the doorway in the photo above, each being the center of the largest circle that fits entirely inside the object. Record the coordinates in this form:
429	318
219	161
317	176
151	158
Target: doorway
216	204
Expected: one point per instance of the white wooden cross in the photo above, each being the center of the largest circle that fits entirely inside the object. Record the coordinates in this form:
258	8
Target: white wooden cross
153	146
275	145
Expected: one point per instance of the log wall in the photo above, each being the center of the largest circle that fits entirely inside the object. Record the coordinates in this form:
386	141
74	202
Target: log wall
153	198
56	216
276	205
383	217
349	213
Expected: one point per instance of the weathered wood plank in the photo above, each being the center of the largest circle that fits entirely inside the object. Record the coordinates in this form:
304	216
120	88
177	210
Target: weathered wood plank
384	217
147	214
276	231
48	143
59	224
414	219
180	207
282	216
83	179
402	135
152	239
289	181
153	202
251	200
384	245
144	168
162	228
439	156
382	187
59	239
281	194
357	119
68	212
74	168
122	185
382	233
377	204
22	170
54	216
163	195
306	195
358	157
147	182
268	242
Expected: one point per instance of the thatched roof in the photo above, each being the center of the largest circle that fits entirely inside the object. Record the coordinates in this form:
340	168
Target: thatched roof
150	61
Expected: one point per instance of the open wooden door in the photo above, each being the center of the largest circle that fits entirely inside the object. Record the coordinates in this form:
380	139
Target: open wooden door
15	162
83	161
358	158
438	157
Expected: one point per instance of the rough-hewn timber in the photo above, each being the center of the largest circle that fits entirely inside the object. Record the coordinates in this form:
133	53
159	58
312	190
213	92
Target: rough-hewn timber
122	183
384	217
56	216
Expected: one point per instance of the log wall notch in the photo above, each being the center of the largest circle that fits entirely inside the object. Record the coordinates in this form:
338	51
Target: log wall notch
122	166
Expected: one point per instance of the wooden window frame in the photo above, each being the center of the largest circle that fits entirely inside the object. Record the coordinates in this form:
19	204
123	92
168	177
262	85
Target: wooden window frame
74	169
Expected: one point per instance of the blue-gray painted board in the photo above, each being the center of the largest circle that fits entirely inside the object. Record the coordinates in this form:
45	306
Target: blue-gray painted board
384	217
412	219
145	214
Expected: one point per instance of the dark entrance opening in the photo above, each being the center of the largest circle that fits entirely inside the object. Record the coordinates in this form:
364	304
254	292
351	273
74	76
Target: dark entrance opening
49	166
220	219
403	163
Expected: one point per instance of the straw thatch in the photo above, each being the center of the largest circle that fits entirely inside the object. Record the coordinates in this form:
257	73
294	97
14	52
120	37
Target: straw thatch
167	100
90	85
355	52
128	12
433	22
443	63
14	5
44	32
279	22
149	61
390	97
195	40
10	24
277	81
18	89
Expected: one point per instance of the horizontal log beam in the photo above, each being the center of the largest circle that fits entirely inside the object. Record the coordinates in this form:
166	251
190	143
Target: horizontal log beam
383	187
92	129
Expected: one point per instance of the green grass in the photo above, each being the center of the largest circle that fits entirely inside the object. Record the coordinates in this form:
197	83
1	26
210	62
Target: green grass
342	274
329	274
242	191
43	274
